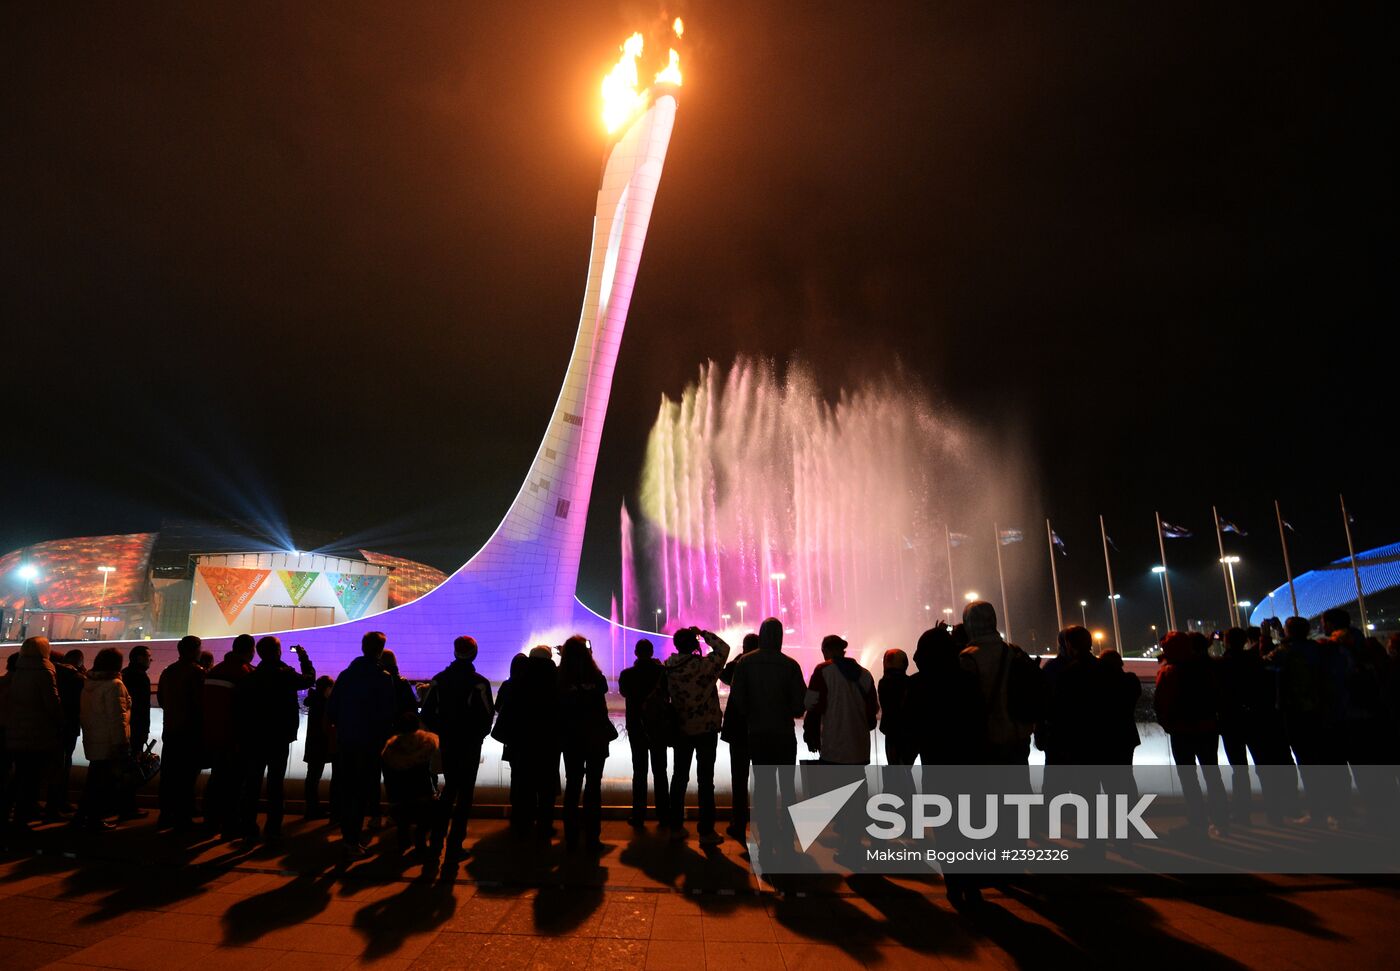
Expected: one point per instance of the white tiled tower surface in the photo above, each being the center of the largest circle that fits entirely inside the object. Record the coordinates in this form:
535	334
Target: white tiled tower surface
520	586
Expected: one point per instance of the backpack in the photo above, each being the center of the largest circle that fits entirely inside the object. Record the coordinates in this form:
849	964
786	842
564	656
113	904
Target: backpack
1027	696
659	715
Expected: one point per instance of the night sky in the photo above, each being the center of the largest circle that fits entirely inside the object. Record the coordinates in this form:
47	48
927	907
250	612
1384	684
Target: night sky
323	263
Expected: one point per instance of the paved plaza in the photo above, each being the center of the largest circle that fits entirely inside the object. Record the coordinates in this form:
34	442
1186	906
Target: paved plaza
138	900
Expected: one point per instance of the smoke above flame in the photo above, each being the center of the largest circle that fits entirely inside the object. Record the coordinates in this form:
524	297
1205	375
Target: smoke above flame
622	96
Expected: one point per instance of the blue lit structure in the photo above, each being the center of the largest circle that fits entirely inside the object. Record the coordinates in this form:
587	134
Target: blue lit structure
1334	585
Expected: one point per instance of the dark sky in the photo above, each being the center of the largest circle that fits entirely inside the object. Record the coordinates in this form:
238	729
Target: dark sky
324	261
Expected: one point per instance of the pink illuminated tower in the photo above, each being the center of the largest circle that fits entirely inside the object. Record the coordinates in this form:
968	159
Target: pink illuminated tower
519	589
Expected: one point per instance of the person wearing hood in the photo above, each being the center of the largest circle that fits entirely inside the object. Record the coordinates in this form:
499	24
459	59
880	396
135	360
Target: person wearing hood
1186	701
34	729
361	712
459	708
691	679
841	707
945	704
991	659
106	720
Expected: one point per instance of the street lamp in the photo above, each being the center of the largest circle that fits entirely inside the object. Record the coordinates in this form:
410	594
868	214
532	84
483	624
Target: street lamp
106	572
971	595
1161	572
1084	612
1230	562
741	604
778	578
725	619
657	625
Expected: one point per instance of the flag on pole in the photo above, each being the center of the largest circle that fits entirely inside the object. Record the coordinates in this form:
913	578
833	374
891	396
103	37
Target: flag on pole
1109	540
1008	536
957	539
1287	525
1175	532
1228	527
1059	543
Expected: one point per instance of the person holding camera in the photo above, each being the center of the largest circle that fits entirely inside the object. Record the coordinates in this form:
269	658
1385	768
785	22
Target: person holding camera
691	681
270	716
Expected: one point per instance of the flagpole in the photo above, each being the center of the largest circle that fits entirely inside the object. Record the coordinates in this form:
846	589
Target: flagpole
1355	572
1287	567
1166	575
1054	577
1001	576
1112	598
1224	570
952	588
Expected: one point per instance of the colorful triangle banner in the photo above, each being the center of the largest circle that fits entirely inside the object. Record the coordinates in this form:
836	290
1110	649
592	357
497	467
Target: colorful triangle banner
297	582
232	587
355	591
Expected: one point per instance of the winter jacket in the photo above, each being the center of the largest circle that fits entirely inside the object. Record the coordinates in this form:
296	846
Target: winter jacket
635	684
458	707
841	709
320	740
894	707
35	722
362	705
70	692
584	724
180	692
945	704
691	680
138	685
1186	699
268	710
218	705
106	716
767	692
407	759
988	657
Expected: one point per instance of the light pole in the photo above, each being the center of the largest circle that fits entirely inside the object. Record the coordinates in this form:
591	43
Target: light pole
1245	605
657	625
1161	572
106	572
1084	612
778	578
970	596
28	573
741	604
1230	562
724	619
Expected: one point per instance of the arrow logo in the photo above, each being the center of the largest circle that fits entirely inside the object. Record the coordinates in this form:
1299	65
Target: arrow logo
811	816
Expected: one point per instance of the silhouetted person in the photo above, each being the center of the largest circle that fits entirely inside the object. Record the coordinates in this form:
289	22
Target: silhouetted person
70	673
180	693
1186	701
138	685
225	753
1311	676
636	684
585	732
1007	738
768	693
206	661
895	718
690	680
319	747
841	707
106	720
734	731
1239	674
459	708
535	740
6	760
949	724
34	734
273	718
361	710
1071	732
1120	729
408	782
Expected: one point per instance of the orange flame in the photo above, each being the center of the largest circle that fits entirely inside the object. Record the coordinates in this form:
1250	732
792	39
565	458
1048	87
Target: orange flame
622	99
